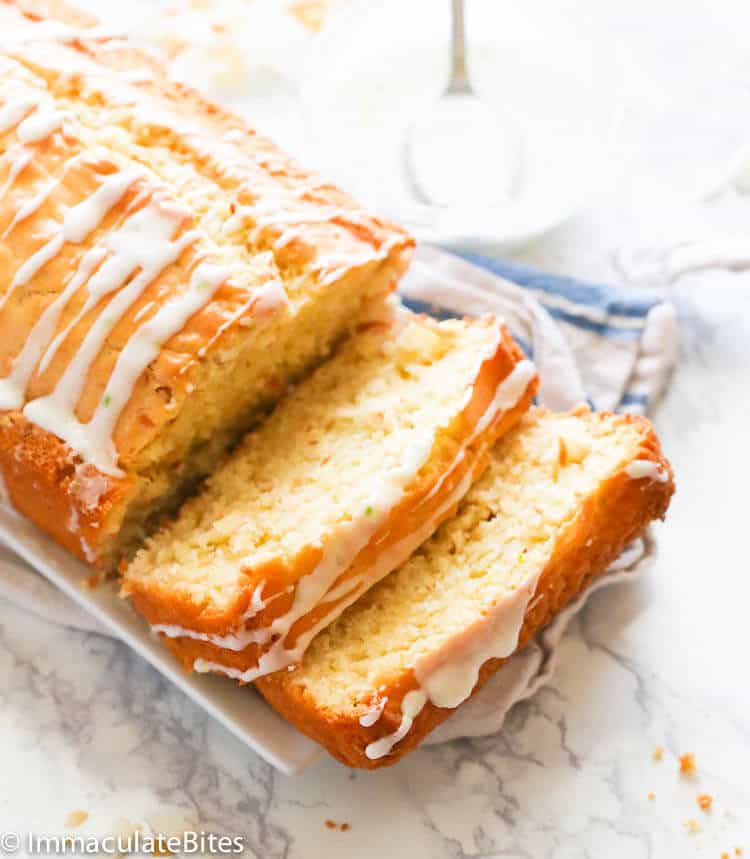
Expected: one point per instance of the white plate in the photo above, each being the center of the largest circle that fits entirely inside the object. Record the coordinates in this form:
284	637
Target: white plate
240	709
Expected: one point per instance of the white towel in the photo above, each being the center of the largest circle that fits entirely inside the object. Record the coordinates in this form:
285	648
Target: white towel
612	347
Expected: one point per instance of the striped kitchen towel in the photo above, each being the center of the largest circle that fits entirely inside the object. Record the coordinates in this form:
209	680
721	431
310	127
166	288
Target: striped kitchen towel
612	347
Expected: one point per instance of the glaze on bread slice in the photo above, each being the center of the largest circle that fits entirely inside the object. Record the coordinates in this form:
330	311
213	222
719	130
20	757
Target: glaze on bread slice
354	469
165	272
561	497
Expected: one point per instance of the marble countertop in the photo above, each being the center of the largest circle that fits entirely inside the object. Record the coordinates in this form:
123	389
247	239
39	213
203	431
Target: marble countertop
85	724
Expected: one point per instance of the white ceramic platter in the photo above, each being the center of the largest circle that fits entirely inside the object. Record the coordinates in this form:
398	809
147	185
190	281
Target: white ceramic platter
240	709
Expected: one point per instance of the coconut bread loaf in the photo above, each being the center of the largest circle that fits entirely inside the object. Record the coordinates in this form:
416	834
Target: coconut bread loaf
561	497
165	272
354	469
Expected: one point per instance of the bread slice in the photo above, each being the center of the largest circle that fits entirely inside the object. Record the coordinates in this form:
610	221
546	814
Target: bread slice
560	498
348	476
165	272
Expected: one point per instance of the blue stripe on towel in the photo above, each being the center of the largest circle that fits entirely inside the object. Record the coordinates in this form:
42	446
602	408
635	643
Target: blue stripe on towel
604	329
630	399
607	299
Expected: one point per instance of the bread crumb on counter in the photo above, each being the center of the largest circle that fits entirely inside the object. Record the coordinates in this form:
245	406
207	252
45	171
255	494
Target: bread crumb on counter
76	818
93	581
342	827
692	826
705	801
658	753
687	764
652	795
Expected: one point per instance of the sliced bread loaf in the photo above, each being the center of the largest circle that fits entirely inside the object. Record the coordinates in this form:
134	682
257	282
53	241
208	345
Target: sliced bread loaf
355	468
165	272
561	497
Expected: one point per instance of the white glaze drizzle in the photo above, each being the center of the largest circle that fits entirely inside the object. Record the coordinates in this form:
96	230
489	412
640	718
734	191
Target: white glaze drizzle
266	300
13	387
29	207
330	267
371	717
18	164
640	468
78	223
40	125
235	642
411	707
273	200
143	244
13	112
144	311
34	129
141	349
268	212
55	412
508	394
32	205
449	677
400	552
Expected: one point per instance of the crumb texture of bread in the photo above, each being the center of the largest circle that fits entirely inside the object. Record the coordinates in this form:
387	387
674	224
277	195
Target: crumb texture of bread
554	507
166	273
353	470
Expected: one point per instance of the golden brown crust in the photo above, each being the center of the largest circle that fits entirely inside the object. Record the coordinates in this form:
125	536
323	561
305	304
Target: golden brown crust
47	484
367	256
614	515
207	122
420	504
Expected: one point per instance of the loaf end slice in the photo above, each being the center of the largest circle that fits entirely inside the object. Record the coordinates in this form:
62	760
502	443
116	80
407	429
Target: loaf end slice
561	497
